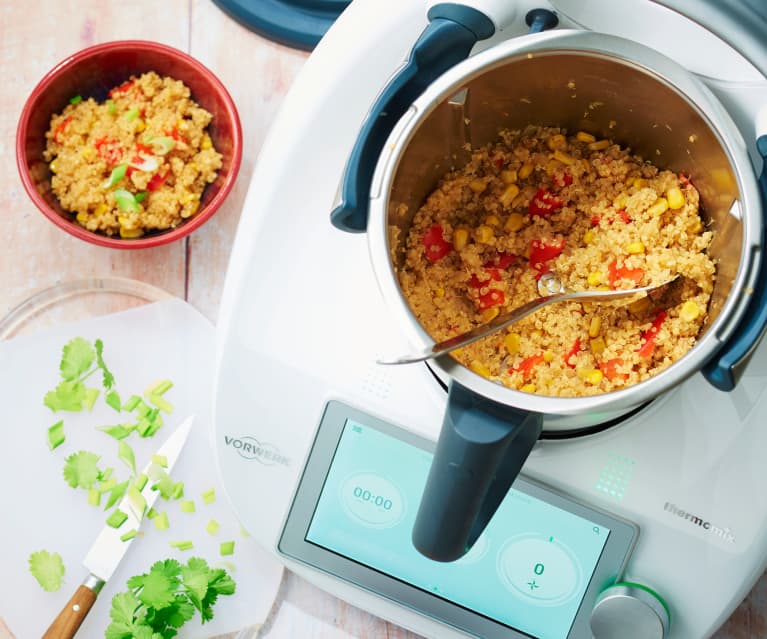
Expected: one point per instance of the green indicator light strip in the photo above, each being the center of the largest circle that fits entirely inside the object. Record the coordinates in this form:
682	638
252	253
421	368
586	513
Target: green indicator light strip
632	584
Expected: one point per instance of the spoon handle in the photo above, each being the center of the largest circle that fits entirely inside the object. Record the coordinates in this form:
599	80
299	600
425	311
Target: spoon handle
506	319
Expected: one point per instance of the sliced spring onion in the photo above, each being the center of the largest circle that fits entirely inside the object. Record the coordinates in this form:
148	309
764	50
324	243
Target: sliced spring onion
159	388
160	460
212	527
129	535
243	532
151	513
125	200
106	474
142	410
116	494
161	521
140	481
94	497
132	402
136	502
107	484
76	99
117	518
117	174
161	403
147	164
112	399
187	506
140	197
131	114
178	490
162	145
227	548
125	453
186	544
111	106
209	496
56	435
90	397
117	431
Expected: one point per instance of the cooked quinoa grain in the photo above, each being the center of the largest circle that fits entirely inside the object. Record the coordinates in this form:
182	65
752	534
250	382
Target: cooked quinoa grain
137	162
537	201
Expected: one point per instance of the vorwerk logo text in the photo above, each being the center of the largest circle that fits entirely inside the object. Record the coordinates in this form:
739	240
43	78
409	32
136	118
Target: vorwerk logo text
250	448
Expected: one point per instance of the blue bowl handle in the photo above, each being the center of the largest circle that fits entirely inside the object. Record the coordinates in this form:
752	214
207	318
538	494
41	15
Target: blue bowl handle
452	32
481	449
724	371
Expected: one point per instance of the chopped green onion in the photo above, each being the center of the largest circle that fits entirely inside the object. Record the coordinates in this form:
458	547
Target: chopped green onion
159	388
187	506
140	197
90	397
129	535
111	106
136	502
131	114
125	200
117	518
117	174
76	99
243	532
141	481
117	493
178	490
161	403
162	145
212	527
147	164
161	521
183	545
151	513
160	460
132	402
209	496
227	548
107	484
94	497
56	435
118	431
106	474
125	453
113	399
142	410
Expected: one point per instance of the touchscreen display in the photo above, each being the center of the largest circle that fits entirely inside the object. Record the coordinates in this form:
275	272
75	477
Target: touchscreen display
529	570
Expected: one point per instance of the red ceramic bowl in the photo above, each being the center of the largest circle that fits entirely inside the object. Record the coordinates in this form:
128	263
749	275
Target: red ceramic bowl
92	72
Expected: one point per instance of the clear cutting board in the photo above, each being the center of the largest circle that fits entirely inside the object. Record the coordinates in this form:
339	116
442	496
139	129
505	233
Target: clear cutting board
38	509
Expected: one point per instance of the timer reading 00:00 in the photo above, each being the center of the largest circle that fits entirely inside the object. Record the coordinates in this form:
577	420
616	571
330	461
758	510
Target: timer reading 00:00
372	500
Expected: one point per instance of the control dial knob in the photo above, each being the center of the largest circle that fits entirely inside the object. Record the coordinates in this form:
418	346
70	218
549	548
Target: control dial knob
629	611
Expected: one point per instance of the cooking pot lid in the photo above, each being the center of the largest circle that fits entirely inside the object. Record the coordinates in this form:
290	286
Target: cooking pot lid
295	23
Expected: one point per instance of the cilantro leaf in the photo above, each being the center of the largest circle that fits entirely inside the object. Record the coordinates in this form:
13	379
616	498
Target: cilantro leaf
107	378
124	605
69	395
76	359
80	469
47	568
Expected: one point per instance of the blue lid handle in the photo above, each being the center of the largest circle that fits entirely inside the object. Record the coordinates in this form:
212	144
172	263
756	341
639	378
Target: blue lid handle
724	371
452	32
481	449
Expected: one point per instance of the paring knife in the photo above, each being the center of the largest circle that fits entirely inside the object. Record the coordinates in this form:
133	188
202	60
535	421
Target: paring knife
108	549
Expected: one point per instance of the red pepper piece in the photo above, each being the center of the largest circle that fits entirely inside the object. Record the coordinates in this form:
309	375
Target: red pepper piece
610	369
526	365
684	180
143	148
136	159
61	128
650	335
574	350
109	149
595	220
493	297
544	203
565	180
123	88
623	215
157	181
498	161
176	135
501	260
475	282
434	244
616	273
541	252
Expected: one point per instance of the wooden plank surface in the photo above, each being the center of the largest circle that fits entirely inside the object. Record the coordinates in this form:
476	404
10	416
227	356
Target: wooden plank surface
37	255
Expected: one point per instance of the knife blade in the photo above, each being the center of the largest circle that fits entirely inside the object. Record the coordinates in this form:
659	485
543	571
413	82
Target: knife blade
108	550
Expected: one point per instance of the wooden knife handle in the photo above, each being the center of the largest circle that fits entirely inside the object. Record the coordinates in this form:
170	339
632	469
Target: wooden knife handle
72	615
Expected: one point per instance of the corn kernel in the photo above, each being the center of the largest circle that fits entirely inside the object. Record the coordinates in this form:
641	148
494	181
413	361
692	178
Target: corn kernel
588	237
640	306
525	170
598	346
53	166
490	313
582	373
675	198
564	158
508	195
88	153
536	335
548	355
599	145
127	233
478	185
479	368
638	183
556	142
140	125
594	278
528	388
206	142
659	207
620	201
595	377
484	234
582	136
82	217
515	222
439	292
595	325
511	342
635	248
492	220
689	311
460	238
458	352
190	211
552	166
696	226
101	209
509	176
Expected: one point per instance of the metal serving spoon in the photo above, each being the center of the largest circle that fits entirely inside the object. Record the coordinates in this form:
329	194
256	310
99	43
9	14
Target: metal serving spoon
552	291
